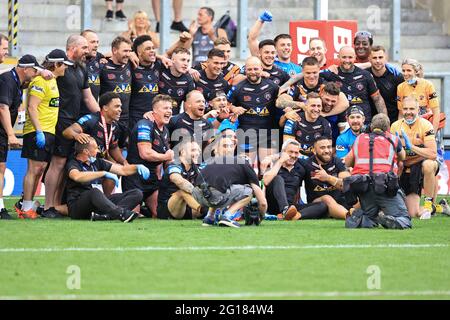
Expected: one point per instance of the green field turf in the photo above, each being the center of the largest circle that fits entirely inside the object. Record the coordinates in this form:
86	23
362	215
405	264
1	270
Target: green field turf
151	259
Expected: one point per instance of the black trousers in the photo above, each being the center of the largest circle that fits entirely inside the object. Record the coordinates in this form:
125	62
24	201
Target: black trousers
96	201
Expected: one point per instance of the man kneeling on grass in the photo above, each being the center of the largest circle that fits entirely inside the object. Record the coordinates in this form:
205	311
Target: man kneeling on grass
84	197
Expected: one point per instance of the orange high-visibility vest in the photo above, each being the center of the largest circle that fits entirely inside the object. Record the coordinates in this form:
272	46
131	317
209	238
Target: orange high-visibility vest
384	154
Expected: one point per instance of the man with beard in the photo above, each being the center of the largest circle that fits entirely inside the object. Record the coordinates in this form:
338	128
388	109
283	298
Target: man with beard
324	174
344	143
149	145
230	70
387	82
102	126
283	182
175	198
175	80
220	115
358	85
145	79
115	76
253	101
191	123
93	66
73	89
3	47
12	83
211	78
420	166
310	127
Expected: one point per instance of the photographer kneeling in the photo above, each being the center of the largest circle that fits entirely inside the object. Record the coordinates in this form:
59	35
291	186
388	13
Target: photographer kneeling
374	179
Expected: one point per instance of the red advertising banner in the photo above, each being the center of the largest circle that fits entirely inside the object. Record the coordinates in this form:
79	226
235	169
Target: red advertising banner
336	33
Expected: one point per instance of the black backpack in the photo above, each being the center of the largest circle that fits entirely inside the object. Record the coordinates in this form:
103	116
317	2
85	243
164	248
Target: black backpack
225	22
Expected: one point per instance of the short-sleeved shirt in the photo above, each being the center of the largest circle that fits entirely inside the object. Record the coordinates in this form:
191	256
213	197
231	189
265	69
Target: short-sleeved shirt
423	91
167	187
117	78
144	87
300	90
92	125
290	68
316	188
419	133
147	131
76	189
71	87
292	180
278	75
222	172
306	132
208	86
10	95
47	92
93	67
259	101
176	87
387	84
345	142
359	86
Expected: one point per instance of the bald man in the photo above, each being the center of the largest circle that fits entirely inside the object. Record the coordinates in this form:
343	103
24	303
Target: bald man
253	100
357	84
73	89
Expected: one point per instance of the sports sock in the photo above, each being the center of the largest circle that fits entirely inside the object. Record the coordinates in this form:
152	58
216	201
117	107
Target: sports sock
27	205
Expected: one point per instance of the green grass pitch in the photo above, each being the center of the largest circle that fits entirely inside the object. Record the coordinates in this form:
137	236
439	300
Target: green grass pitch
151	259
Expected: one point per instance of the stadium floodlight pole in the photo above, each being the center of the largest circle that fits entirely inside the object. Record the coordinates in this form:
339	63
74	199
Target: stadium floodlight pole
396	30
86	14
164	26
320	9
242	29
13	27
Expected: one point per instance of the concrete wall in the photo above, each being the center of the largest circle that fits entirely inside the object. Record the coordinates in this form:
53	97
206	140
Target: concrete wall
441	11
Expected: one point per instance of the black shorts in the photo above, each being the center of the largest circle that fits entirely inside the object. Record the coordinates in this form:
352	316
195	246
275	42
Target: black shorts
164	213
3	146
148	187
32	152
63	147
411	180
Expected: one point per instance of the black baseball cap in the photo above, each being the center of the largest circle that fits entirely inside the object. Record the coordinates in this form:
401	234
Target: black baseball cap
216	94
29	61
58	55
355	110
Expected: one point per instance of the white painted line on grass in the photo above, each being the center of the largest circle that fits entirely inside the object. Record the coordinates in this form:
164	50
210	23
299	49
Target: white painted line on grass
238	295
229	248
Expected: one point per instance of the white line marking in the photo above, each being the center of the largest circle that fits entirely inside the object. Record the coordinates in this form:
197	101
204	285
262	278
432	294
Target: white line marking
239	295
223	248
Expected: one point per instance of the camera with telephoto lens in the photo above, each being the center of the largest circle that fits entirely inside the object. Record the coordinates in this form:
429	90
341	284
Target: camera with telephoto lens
251	213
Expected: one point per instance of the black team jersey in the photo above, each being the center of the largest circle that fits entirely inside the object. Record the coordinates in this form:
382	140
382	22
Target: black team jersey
316	188
229	71
93	67
299	91
147	131
176	87
167	187
184	126
93	126
208	86
258	100
144	87
387	84
307	132
71	87
117	78
277	75
359	86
